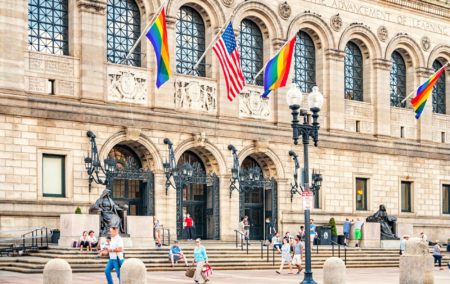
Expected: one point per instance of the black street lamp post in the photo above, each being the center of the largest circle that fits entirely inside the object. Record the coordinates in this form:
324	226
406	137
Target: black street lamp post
94	168
307	130
171	169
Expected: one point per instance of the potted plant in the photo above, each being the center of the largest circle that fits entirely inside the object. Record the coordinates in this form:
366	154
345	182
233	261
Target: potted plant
334	235
78	210
55	236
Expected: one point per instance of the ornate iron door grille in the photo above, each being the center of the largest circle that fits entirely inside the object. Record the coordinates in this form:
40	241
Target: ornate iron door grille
148	193
212	183
264	184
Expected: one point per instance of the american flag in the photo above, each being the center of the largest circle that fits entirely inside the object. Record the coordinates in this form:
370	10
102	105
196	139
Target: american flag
226	50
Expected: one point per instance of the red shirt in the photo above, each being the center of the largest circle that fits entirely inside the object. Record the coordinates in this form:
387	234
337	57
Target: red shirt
188	221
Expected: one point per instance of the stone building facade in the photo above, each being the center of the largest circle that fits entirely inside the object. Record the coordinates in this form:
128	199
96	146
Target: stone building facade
369	153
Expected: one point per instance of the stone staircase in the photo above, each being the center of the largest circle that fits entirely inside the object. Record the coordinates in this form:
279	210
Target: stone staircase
222	255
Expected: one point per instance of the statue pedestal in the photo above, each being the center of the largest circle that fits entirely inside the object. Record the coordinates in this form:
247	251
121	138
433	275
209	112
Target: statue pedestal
371	233
73	225
140	229
390	244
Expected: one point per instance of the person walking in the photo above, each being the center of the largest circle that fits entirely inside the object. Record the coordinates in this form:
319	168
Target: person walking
403	244
358	226
301	233
157	231
189	227
115	255
437	254
312	232
346	228
200	258
285	256
298	252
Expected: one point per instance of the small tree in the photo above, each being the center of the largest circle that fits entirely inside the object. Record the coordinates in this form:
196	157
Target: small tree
332	224
78	210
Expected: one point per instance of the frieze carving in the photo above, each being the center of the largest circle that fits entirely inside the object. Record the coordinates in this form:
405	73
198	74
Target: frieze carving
336	22
228	3
284	10
426	43
252	105
382	33
197	95
127	85
50	64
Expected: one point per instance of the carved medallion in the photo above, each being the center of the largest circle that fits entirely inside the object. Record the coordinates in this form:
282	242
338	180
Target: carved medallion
228	3
196	95
127	85
336	22
284	10
252	105
383	33
426	44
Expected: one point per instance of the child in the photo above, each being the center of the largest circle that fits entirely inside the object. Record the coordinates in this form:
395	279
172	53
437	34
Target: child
104	247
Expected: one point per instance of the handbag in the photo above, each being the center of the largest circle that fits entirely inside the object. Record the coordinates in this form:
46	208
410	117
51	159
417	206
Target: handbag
206	270
190	272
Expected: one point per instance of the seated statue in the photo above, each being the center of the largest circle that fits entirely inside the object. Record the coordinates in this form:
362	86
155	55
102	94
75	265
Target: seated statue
387	223
112	214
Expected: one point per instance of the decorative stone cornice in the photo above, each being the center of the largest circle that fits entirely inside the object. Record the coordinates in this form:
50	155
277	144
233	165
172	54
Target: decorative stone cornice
335	54
92	6
424	72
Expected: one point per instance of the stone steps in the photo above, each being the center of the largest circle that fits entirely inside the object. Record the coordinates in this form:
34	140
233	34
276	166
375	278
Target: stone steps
222	257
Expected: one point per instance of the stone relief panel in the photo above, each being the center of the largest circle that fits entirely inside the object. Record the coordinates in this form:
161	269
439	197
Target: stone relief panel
195	94
382	33
252	105
359	111
336	22
127	84
284	10
43	70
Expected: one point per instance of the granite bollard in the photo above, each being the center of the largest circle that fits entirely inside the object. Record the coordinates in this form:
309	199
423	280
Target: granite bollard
57	271
334	271
133	271
416	265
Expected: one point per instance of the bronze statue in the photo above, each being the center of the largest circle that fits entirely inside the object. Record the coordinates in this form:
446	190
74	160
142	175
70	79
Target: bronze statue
387	223
110	213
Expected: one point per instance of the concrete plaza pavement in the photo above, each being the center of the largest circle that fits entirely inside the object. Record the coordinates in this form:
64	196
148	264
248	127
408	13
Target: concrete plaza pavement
354	276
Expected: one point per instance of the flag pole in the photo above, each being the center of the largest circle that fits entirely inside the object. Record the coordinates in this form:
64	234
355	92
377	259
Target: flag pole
262	69
415	90
213	41
144	32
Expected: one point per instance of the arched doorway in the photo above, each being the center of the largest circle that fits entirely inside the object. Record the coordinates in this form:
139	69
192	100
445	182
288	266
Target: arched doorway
131	184
258	200
198	195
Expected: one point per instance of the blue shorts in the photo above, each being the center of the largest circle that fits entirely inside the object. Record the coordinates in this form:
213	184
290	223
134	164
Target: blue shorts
347	236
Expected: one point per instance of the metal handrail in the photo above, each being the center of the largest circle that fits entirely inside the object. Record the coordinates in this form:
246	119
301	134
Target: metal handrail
164	238
339	250
39	239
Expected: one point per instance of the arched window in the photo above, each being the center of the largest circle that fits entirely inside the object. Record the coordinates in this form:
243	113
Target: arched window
190	43
251	51
305	62
398	80
48	26
439	90
353	72
123	29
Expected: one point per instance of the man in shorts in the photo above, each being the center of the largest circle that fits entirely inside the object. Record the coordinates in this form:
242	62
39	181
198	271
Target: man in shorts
347	226
176	254
358	225
298	252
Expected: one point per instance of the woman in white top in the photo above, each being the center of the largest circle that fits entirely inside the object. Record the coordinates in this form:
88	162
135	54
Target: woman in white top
285	256
93	241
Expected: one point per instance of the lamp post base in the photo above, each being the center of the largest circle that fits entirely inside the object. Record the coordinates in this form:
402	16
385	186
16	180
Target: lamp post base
308	279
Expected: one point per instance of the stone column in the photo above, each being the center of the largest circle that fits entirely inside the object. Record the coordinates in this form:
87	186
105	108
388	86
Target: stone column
382	100
335	81
133	271
425	123
334	271
57	271
416	265
13	44
229	209
92	47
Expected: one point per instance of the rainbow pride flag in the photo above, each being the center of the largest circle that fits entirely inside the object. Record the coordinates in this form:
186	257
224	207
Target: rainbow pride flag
277	69
157	34
424	91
